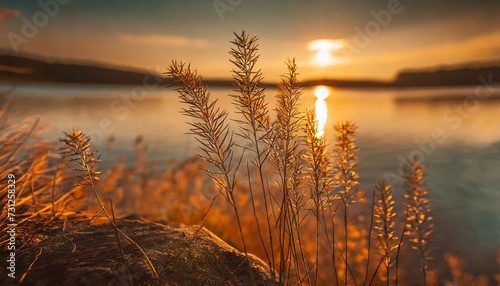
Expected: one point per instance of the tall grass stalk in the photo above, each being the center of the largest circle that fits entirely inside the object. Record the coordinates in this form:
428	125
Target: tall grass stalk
384	226
211	130
319	178
249	100
286	155
419	220
346	175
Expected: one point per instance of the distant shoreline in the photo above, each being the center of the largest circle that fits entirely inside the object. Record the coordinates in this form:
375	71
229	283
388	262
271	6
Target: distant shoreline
19	70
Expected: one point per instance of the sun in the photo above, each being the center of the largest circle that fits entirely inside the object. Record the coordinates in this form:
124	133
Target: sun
323	49
321	92
323	57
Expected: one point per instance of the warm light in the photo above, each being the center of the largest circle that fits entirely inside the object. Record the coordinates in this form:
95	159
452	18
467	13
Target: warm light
323	57
321	93
323	49
325	44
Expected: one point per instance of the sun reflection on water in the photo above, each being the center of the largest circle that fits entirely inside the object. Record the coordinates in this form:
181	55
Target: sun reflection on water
321	92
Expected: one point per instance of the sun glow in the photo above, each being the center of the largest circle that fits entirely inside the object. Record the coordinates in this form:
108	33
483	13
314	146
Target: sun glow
323	57
323	49
321	92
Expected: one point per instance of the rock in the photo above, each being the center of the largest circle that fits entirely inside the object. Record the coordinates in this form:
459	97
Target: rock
89	255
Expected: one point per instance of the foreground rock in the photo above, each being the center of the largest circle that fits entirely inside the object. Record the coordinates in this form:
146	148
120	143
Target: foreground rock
89	255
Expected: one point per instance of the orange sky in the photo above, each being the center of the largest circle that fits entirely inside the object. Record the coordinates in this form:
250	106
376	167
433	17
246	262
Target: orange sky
374	39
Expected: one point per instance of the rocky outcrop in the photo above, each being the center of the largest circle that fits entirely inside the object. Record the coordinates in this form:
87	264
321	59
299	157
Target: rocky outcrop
90	255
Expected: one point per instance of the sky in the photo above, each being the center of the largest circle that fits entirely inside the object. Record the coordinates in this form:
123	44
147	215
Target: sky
346	39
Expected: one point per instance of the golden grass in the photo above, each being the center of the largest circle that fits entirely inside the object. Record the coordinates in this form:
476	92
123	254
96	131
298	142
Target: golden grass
296	203
418	217
299	201
33	166
77	149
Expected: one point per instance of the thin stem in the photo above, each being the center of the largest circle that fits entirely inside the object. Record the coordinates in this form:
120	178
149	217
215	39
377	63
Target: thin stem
257	219
369	239
150	264
120	247
376	270
346	241
331	243
397	254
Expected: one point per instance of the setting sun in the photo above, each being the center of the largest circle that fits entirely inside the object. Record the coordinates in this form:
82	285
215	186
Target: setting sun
323	49
321	92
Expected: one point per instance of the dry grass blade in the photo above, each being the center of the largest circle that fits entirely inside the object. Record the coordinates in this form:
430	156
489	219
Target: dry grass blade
30	266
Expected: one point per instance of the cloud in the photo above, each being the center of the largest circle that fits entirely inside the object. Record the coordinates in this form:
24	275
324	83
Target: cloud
164	40
326	44
7	14
322	52
480	48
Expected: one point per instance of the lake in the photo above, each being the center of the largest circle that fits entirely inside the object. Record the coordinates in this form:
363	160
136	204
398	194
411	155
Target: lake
454	131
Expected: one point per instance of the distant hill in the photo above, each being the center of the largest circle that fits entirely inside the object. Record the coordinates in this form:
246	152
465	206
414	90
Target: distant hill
18	70
353	83
448	76
14	69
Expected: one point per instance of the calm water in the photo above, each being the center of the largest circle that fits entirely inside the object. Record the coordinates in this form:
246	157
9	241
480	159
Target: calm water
456	131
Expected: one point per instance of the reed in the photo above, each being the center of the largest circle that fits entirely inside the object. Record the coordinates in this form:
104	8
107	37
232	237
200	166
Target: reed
286	156
346	175
209	127
319	178
384	227
254	125
418	215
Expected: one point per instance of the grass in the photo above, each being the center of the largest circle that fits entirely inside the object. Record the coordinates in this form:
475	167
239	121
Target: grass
309	198
33	166
77	149
419	220
288	195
